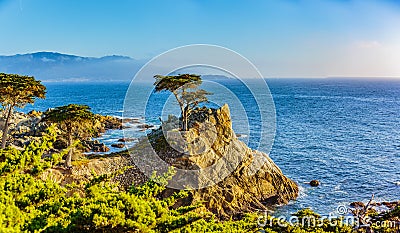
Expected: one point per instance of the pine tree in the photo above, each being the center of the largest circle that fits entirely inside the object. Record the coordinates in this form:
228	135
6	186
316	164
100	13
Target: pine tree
72	118
17	91
185	89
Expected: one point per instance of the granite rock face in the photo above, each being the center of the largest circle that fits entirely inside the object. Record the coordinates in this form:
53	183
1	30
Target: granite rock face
23	128
229	176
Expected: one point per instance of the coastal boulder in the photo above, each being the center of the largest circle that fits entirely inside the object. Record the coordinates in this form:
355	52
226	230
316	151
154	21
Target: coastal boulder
100	147
314	183
110	122
118	145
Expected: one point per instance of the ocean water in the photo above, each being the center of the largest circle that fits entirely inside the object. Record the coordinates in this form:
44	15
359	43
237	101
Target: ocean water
344	133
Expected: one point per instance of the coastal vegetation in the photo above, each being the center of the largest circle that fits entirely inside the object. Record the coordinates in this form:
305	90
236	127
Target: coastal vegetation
72	120
17	91
30	203
76	124
185	88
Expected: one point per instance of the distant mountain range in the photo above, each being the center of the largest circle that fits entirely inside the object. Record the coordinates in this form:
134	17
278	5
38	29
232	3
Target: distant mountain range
55	67
58	67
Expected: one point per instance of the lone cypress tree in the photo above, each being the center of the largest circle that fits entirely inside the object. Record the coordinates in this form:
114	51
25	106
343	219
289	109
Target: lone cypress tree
185	89
72	118
17	91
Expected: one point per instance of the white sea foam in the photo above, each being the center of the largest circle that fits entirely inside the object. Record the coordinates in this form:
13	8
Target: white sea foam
302	192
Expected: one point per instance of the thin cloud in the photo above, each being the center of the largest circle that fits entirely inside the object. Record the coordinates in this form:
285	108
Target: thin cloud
368	44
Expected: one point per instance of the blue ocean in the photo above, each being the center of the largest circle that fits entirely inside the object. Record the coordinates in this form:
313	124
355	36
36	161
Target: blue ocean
343	132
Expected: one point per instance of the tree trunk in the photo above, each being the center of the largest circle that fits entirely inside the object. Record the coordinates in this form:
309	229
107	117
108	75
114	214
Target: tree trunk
185	119
182	107
5	129
188	112
68	159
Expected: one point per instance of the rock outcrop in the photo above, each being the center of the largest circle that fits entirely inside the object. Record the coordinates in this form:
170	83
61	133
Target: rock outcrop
109	122
83	171
229	177
25	128
94	145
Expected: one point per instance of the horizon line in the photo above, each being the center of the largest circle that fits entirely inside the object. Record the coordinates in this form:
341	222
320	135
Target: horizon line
384	77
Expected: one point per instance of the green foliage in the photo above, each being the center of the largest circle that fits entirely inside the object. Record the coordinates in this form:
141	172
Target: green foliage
304	221
395	213
17	91
305	213
30	203
387	222
210	224
30	160
173	83
71	119
20	189
72	113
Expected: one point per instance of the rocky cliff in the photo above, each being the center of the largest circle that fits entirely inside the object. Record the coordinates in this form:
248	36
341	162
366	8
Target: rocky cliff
227	176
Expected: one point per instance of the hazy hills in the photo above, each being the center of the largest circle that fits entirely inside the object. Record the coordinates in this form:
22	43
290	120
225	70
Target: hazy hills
58	67
53	67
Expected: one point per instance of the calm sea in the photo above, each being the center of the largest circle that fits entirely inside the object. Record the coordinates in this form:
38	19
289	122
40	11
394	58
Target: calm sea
345	133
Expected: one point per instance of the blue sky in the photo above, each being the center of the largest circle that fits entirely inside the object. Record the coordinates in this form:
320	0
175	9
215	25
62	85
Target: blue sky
285	38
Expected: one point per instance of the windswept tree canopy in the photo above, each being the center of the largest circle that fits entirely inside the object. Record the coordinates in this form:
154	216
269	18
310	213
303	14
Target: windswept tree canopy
71	118
69	113
173	83
185	89
193	98
17	90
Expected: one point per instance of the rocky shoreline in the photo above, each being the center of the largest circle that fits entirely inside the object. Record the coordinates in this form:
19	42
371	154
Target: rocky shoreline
254	182
27	127
241	191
